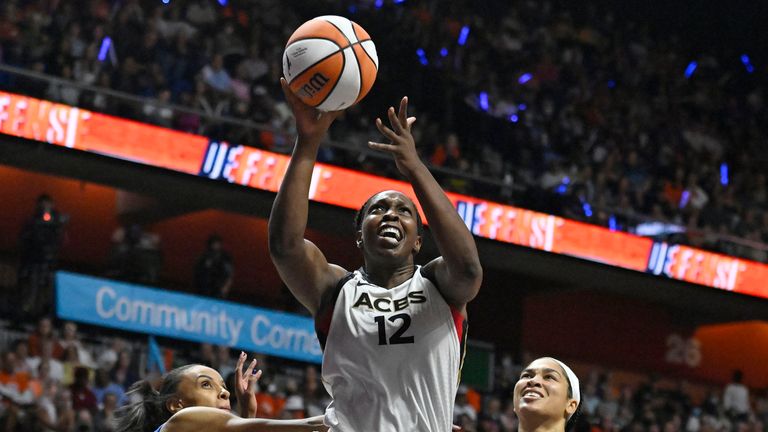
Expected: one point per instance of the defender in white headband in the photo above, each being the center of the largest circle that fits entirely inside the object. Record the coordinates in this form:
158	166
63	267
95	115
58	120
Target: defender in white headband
546	396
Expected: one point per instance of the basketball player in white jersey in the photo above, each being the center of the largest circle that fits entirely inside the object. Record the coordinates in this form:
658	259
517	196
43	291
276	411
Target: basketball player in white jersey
392	332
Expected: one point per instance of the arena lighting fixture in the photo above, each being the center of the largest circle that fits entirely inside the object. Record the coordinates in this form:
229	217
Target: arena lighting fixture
482	101
106	43
747	63
422	57
690	69
724	174
524	78
463	35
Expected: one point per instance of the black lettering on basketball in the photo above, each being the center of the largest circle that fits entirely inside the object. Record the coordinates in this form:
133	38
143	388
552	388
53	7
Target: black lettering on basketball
363	300
318	81
417	297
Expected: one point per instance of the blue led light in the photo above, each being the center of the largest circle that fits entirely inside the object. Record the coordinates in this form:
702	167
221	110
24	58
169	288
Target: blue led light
223	2
612	223
463	35
524	78
690	69
482	100
422	57
514	118
522	107
747	63
684	198
378	4
724	174
443	51
587	209
611	84
104	50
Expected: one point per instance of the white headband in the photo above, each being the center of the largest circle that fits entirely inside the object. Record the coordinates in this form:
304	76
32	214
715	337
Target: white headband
572	379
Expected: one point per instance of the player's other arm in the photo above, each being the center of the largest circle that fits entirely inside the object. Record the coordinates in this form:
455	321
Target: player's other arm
301	265
458	271
216	420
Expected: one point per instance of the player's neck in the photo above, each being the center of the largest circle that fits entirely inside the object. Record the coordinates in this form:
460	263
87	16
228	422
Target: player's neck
388	276
541	424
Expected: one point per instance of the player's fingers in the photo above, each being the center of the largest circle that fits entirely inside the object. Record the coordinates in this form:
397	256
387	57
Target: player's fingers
410	121
402	113
239	367
253	378
382	147
249	371
394	121
387	132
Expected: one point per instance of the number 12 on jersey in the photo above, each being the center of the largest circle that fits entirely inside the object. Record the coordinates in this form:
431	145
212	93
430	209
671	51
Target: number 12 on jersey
397	337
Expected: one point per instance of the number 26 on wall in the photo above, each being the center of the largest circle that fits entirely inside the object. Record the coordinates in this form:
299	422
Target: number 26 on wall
682	351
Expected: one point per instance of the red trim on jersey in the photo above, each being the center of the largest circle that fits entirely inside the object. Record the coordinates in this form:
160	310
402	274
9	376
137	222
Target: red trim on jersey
460	323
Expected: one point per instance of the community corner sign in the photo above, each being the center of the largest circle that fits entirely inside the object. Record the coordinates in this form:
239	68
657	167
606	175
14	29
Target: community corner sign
108	303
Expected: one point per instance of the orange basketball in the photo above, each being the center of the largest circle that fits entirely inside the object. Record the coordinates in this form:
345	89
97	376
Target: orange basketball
330	63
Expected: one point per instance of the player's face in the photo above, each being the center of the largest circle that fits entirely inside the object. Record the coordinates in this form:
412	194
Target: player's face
390	226
542	392
203	386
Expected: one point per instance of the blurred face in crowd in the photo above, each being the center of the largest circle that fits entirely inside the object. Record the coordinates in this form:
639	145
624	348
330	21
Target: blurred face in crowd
9	362
70	331
200	386
44	327
542	393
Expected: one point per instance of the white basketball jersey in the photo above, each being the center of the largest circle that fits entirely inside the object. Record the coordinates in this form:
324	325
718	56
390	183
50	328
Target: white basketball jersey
392	357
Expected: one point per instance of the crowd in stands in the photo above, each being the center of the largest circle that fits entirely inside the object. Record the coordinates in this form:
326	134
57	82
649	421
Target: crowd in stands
560	107
76	380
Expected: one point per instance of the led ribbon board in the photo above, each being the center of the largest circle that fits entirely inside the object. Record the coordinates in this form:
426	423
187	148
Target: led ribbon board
84	130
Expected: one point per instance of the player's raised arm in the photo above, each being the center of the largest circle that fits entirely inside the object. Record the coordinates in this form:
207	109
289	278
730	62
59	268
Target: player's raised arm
301	265
457	271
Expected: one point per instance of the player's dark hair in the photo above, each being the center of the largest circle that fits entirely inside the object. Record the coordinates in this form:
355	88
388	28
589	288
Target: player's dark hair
358	222
150	410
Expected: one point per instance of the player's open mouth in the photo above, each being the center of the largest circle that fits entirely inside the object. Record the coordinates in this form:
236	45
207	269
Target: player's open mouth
390	232
531	394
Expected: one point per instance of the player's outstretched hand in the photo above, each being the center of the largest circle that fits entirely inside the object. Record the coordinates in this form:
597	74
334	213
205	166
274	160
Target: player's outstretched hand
311	123
402	145
245	386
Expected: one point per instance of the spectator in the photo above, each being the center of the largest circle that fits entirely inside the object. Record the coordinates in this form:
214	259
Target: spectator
214	271
82	395
40	241
462	406
736	398
216	76
105	418
71	339
135	255
104	386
